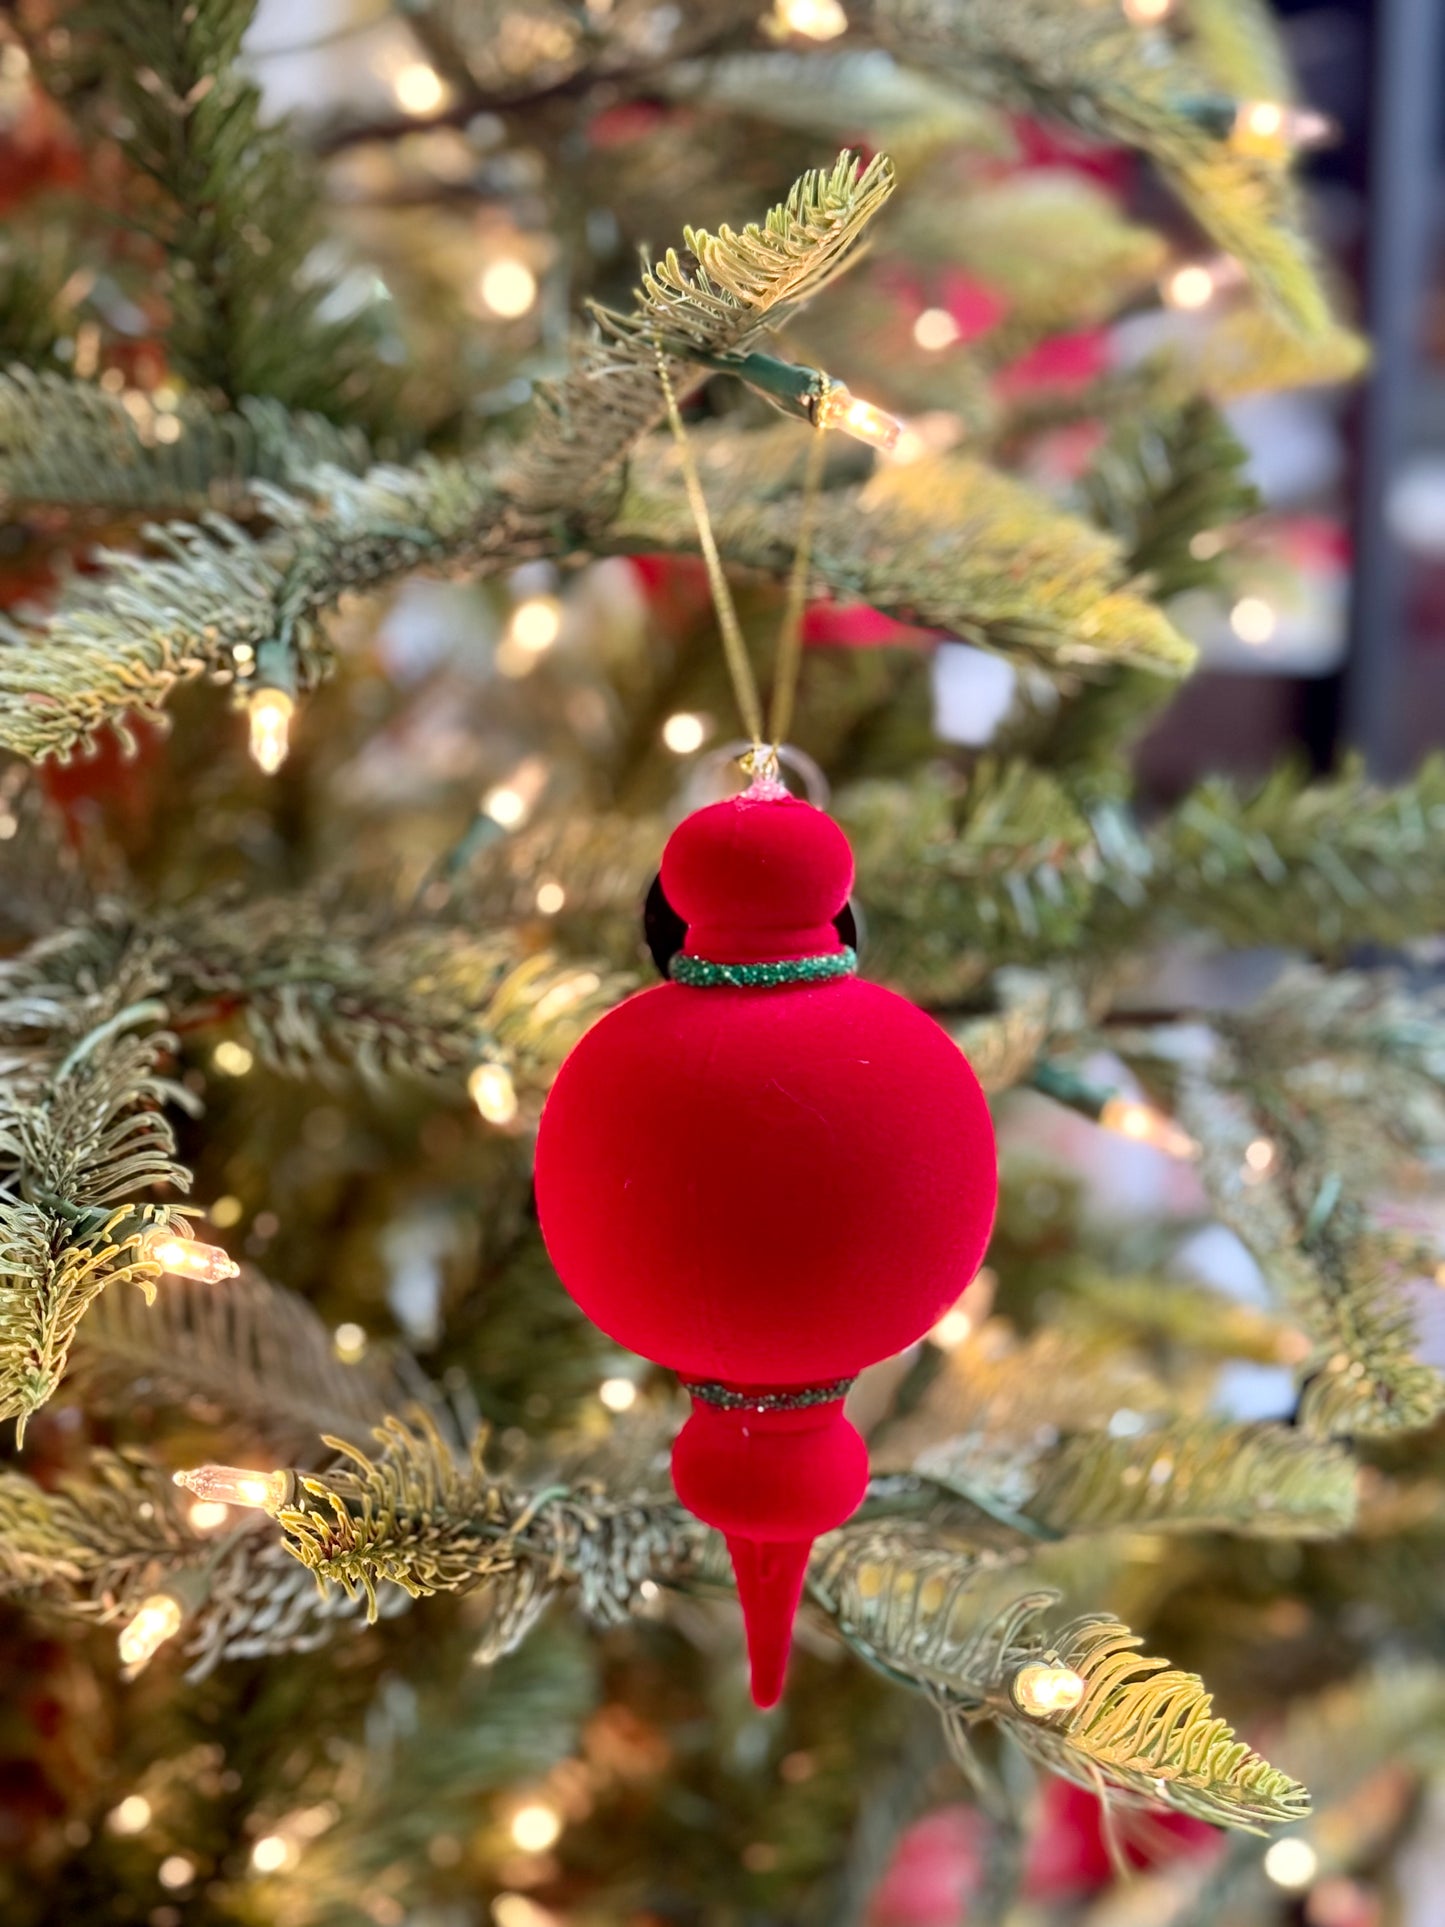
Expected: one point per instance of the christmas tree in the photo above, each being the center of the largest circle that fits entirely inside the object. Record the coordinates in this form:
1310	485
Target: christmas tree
358	660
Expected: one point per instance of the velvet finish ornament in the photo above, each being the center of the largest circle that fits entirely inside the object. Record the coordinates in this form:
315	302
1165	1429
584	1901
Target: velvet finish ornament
765	1175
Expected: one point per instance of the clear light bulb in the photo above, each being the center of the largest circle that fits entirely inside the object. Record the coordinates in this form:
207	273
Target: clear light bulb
536	1826
860	419
1145	1125
270	711
1045	1688
158	1620
491	1089
189	1258
536	624
814	19
1274	130
234	1485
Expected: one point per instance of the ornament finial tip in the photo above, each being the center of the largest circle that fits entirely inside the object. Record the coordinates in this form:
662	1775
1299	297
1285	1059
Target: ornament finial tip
770	1575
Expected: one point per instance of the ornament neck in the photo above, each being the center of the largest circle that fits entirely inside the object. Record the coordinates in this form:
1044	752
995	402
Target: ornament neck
703	973
759	1399
729	944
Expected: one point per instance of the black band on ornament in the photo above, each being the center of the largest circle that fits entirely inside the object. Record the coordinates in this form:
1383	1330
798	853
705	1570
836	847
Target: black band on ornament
724	1398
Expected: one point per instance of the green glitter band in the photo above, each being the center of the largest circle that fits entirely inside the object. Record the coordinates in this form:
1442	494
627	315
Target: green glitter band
724	1398
698	974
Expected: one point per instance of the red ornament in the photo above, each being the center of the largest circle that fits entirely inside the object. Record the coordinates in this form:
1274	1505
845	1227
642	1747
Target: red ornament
765	1187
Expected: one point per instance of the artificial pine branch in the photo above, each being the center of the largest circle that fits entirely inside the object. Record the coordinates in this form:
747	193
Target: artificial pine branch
1092	67
253	1351
74	444
1161	480
1142	1729
230	204
1313	866
1197	1476
948	543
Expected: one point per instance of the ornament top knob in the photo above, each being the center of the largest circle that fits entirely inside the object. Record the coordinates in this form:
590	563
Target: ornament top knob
756	879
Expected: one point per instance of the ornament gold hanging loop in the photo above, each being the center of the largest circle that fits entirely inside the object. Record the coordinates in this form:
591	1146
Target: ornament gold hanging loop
761	762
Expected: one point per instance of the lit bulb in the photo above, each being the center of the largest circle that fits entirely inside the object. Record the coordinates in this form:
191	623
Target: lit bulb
133	1815
491	1089
233	1485
1145	1125
232	1058
207	1515
505	806
175	1872
1045	1688
815	19
508	288
270	1853
536	624
952	1329
550	898
270	711
684	732
1259	1156
1253	620
935	329
1147	13
860	419
418	88
189	1258
349	1341
617	1394
1291	1863
1191	286
158	1620
536	1827
1273	130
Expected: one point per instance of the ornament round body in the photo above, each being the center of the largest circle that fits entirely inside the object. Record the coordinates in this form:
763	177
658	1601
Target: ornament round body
765	1177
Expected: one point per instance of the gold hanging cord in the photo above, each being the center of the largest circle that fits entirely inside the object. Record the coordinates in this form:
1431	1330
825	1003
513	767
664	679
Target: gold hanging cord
762	759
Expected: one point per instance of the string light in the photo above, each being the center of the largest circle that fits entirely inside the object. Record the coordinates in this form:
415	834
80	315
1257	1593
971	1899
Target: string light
232	1058
270	711
175	1872
1253	620
208	1515
1045	1688
133	1815
349	1342
536	1826
158	1620
617	1394
508	288
491	1089
860	419
1148	13
684	733
952	1329
1291	1863
270	1853
1145	1125
189	1258
935	329
550	898
418	88
536	623
1191	286
234	1485
814	19
515	1910
225	1211
1259	1159
1272	129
